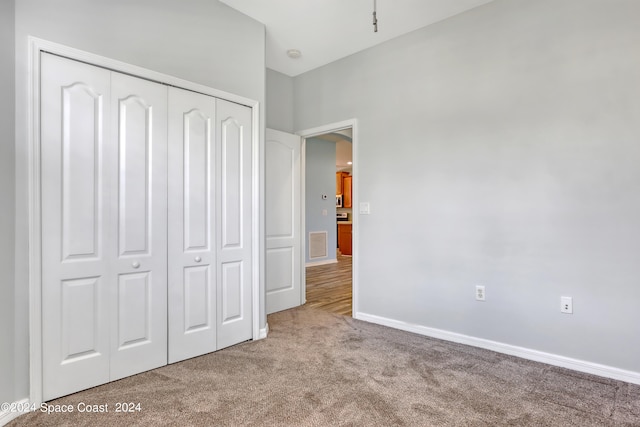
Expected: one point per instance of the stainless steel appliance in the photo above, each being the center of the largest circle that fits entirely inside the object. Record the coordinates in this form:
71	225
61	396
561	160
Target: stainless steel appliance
342	216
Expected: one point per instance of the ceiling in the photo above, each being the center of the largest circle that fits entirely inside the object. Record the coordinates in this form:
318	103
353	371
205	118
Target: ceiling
327	30
344	147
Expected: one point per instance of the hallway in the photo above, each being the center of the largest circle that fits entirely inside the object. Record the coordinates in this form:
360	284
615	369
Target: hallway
329	286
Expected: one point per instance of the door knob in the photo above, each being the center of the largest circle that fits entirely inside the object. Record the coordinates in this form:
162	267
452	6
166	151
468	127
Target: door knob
197	259
135	264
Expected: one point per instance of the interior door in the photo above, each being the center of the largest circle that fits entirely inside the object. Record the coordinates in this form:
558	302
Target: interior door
284	289
77	244
192	239
233	217
139	211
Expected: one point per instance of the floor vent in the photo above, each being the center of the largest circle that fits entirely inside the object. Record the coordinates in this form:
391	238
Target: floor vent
318	244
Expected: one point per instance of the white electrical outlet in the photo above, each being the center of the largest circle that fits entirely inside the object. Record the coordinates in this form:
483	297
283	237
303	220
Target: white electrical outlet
480	293
566	305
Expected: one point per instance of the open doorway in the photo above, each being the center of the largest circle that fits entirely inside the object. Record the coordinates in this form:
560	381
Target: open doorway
329	278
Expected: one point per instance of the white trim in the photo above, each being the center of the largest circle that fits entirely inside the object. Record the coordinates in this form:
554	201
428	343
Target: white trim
256	241
303	221
34	210
525	353
6	417
37	45
332	127
355	230
355	217
264	332
325	262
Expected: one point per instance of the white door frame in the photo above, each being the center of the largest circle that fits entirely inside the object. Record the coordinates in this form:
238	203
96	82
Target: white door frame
310	133
36	46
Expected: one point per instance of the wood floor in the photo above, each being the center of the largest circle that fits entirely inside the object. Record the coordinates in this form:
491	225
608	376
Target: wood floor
329	286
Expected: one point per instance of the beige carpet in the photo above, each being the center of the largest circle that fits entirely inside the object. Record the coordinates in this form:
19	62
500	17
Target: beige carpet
320	369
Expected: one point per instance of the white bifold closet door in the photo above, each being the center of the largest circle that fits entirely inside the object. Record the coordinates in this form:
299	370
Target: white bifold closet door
209	224
146	225
104	204
233	213
192	247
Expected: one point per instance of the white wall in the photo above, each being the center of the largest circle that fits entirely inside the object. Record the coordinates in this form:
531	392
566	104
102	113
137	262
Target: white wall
500	147
320	179
279	101
7	183
202	41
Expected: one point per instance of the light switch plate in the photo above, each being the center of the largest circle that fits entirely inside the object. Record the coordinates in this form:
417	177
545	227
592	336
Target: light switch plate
365	208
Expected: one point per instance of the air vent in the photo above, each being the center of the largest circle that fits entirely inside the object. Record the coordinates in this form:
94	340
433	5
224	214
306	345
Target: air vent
318	244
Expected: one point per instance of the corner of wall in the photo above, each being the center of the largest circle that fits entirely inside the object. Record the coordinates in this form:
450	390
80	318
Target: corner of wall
279	100
7	208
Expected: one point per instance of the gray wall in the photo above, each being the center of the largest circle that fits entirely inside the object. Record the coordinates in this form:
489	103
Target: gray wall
279	101
320	173
500	147
7	183
202	41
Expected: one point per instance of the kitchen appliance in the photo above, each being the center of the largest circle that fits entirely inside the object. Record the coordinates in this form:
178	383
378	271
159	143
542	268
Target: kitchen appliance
342	216
338	200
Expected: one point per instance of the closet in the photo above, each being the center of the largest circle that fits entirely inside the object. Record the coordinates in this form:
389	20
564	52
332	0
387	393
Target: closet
146	224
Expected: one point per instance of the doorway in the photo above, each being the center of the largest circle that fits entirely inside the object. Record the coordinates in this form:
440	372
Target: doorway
332	284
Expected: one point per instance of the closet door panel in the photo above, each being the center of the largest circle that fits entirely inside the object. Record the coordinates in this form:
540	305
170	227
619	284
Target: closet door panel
134	137
192	269
234	213
196	180
232	285
75	237
197	296
231	145
139	209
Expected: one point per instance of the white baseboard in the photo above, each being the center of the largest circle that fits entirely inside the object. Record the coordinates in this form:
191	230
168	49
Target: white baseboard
316	263
525	353
263	332
8	416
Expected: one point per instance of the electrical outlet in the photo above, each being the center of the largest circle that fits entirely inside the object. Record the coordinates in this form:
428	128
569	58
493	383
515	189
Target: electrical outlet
566	305
480	293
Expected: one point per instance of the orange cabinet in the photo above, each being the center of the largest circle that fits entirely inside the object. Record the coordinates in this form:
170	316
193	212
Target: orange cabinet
344	238
343	186
339	181
346	192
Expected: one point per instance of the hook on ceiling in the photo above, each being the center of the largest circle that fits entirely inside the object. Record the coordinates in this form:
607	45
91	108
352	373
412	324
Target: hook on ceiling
375	18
